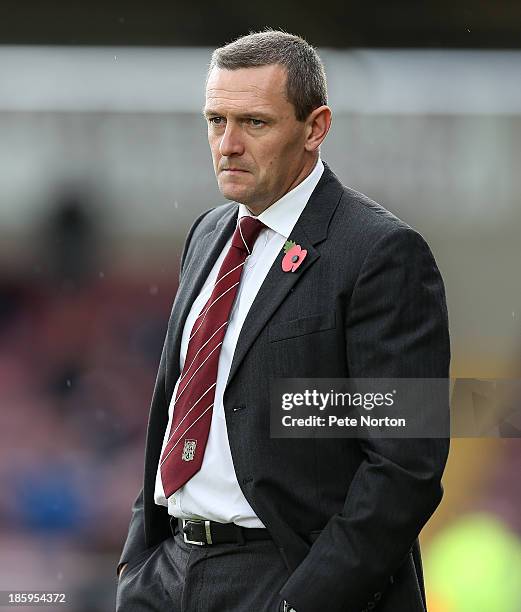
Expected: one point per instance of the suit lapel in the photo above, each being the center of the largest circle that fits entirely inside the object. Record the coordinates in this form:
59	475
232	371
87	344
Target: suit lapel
310	229
208	249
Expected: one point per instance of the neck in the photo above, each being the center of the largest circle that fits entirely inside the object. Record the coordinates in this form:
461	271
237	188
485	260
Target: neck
303	173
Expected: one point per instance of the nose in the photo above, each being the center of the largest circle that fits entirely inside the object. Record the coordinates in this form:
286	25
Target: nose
231	142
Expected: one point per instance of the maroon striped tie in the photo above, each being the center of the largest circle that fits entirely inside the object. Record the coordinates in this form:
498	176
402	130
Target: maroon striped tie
183	454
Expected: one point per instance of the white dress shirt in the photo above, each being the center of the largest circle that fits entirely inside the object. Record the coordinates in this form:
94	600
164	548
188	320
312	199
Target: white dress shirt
214	492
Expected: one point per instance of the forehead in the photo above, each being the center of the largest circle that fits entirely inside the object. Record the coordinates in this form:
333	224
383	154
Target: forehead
244	88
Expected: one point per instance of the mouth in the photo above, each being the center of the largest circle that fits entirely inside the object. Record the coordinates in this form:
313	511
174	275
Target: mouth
233	170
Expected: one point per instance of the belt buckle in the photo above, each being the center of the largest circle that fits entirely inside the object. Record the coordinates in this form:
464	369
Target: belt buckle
197	542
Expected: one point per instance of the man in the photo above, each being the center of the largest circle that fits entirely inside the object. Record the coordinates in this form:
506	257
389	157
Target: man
280	524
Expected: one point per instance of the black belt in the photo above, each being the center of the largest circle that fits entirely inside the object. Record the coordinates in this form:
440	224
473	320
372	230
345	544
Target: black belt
202	532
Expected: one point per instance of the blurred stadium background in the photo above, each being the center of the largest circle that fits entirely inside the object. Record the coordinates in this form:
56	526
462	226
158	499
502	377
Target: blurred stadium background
104	164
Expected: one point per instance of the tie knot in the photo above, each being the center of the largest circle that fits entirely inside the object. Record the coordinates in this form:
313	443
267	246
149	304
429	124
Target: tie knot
248	228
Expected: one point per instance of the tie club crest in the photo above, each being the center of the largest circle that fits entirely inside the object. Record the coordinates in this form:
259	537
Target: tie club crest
189	450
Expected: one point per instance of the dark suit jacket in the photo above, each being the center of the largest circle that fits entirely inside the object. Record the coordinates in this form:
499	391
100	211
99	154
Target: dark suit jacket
367	301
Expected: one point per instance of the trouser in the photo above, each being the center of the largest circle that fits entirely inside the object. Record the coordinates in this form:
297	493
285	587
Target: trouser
178	577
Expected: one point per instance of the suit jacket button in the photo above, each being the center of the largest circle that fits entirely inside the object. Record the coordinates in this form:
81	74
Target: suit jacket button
377	596
370	605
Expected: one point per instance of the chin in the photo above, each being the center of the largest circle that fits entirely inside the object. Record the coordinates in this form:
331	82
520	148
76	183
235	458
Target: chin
235	195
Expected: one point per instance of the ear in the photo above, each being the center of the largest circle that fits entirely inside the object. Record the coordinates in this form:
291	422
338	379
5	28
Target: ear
317	126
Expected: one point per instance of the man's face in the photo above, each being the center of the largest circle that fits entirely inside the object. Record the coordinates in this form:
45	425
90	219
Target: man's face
257	143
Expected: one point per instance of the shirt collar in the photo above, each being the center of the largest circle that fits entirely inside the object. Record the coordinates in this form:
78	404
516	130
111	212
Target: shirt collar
283	214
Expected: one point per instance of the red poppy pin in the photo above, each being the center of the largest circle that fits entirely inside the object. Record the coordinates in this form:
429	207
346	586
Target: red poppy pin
294	256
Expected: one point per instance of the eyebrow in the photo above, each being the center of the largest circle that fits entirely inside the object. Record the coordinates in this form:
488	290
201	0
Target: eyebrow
211	113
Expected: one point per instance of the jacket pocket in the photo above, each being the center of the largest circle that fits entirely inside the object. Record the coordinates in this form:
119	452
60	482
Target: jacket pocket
299	327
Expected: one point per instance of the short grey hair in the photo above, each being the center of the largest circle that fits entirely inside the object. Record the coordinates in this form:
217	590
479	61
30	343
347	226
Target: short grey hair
306	86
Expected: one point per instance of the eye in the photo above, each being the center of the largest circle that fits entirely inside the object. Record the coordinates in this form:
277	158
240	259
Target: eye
256	122
216	120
